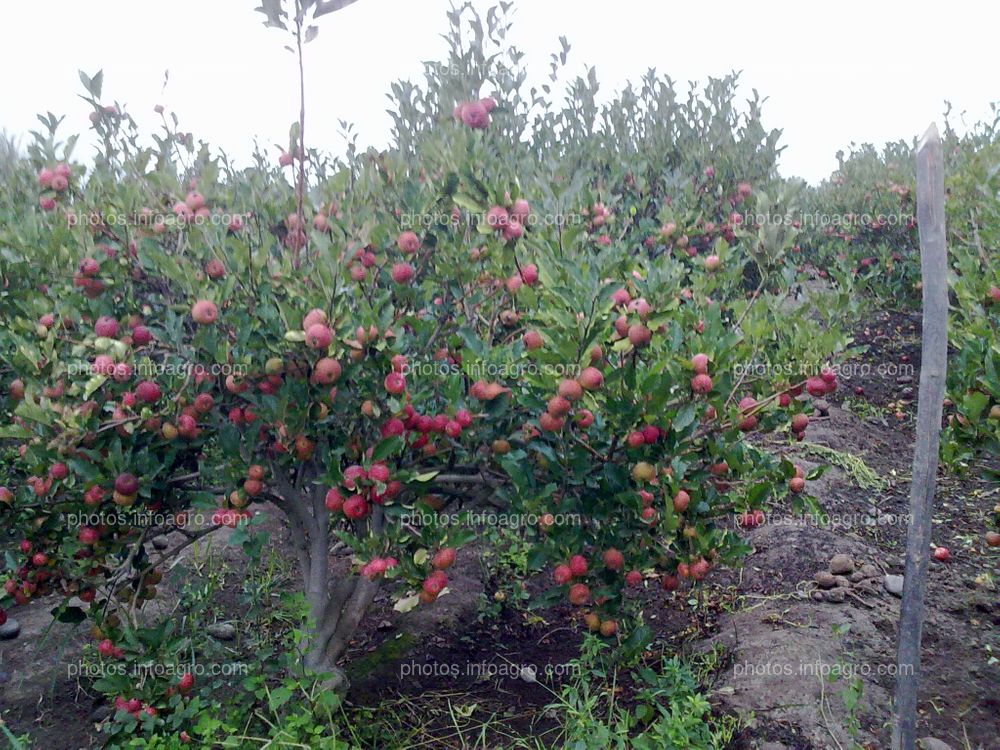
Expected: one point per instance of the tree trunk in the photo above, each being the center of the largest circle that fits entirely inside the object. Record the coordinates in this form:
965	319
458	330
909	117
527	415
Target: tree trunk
336	605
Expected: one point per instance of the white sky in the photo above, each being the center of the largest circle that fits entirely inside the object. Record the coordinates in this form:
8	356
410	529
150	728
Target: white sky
835	73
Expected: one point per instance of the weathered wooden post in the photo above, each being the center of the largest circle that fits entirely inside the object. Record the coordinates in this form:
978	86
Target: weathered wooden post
934	358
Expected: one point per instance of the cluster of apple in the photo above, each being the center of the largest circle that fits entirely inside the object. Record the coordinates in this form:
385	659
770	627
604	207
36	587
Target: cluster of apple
703	233
598	217
33	577
595	624
821	385
701	383
577	567
373	485
425	425
362	260
401	272
528	274
378	566
695	570
135	707
84	278
436	581
569	391
54	182
475	113
233	510
509	221
193	206
635	330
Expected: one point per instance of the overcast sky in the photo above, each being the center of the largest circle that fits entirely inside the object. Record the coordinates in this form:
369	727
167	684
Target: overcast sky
834	73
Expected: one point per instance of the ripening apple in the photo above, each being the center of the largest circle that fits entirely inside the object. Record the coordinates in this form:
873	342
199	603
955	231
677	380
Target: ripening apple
643	472
681	501
497	218
590	378
701	384
395	383
513	231
408	242
326	371
402	273
443	558
671	583
204	312
639	335
334	501
562	574
570	389
435	583
613	559
533	340
578	565
579	594
475	115
318	336
550	422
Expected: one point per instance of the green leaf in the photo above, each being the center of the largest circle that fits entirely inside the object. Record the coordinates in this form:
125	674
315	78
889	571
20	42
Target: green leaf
14	431
685	416
386	448
33	412
469	203
278	697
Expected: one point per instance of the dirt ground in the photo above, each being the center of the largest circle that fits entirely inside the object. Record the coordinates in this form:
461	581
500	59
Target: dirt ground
806	670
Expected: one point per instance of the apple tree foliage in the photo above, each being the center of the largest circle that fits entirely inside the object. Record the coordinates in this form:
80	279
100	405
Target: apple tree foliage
501	310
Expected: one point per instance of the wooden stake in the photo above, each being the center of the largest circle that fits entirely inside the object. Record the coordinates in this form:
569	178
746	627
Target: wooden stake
933	367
